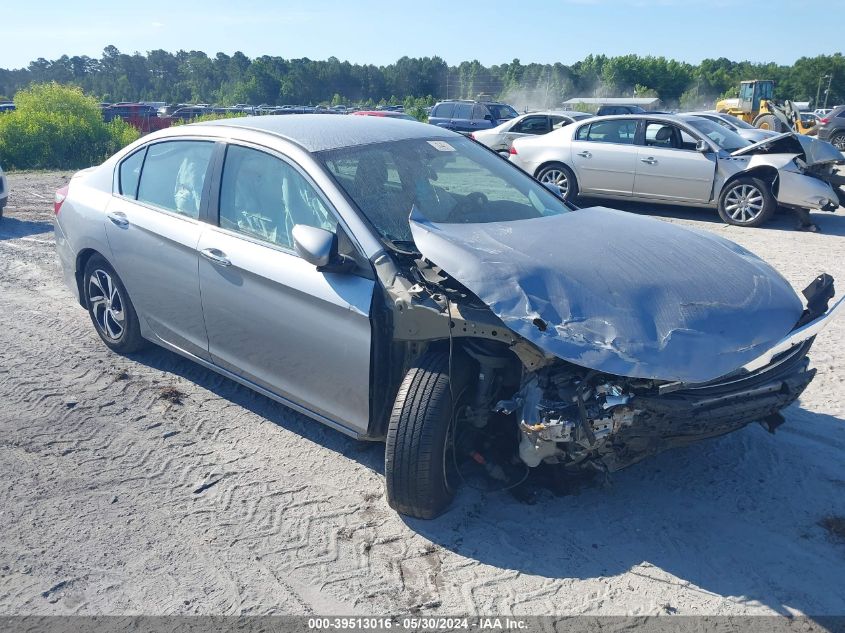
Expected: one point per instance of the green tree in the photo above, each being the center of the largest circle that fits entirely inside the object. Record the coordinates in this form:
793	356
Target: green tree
56	126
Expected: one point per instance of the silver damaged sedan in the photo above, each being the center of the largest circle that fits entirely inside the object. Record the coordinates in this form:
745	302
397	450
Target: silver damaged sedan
686	160
402	283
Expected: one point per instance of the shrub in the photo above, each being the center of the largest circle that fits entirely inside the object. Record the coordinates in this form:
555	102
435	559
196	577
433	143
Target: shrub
59	127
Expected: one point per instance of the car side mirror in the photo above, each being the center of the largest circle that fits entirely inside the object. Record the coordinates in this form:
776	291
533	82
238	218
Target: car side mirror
315	246
318	247
488	117
702	146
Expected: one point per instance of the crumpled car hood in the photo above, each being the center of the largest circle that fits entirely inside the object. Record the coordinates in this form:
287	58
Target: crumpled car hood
619	293
813	151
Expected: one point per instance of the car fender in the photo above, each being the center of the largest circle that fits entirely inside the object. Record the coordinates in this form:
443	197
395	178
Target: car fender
798	190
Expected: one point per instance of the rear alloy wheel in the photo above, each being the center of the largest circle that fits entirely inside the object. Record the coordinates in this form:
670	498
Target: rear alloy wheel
838	141
560	176
110	308
747	202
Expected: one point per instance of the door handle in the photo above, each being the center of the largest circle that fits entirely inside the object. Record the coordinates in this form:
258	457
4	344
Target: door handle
650	160
585	154
118	218
216	256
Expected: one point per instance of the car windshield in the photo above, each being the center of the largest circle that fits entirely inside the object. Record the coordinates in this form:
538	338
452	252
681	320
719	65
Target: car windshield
454	181
722	136
501	111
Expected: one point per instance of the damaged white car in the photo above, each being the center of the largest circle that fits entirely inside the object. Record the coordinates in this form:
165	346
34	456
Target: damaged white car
686	160
401	283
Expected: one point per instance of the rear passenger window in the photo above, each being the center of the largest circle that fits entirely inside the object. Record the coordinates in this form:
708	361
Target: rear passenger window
174	174
479	111
262	196
463	111
130	173
614	131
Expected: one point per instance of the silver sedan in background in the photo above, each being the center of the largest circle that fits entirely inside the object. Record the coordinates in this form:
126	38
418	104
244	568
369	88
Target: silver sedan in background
685	160
736	125
499	138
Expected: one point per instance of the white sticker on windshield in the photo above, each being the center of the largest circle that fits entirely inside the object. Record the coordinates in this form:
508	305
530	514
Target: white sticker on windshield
442	146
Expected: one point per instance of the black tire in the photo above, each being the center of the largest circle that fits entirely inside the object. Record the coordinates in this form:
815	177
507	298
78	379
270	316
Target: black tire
751	190
105	314
418	456
838	141
558	174
768	122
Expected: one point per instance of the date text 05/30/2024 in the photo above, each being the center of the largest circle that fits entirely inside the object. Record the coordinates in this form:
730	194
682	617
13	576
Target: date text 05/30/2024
417	623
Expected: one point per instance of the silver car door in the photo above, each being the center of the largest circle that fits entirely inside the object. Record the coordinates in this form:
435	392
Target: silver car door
604	156
153	228
273	318
669	167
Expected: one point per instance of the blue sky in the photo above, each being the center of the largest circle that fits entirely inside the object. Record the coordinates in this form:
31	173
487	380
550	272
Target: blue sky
380	32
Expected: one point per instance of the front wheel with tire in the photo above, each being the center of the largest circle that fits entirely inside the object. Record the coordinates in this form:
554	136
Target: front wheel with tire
560	176
419	453
747	202
110	308
838	141
768	122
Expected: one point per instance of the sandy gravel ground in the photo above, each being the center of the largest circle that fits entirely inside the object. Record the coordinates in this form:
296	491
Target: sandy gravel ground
148	485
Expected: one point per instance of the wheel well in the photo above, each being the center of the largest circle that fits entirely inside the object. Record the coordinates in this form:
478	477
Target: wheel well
81	261
550	163
764	172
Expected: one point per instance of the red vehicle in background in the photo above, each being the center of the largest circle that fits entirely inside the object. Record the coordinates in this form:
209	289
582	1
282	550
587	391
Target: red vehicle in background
385	113
142	116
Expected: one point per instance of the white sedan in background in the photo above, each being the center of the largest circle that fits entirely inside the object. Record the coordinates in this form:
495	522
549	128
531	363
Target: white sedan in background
499	138
4	191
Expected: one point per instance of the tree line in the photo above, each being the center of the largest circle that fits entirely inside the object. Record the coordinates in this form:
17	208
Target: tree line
193	76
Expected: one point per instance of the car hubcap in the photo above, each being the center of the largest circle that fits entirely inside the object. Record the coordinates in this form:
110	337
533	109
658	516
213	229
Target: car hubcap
839	143
744	203
557	178
106	304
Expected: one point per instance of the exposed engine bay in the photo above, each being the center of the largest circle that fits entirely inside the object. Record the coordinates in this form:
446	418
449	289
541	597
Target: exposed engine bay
544	409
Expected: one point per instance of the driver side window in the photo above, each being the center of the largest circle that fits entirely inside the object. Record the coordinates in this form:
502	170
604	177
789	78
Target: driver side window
263	196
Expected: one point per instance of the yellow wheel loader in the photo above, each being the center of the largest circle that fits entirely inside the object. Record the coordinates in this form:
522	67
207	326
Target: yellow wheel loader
756	106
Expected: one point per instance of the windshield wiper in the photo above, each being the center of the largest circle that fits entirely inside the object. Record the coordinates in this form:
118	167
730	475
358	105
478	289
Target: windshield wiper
403	247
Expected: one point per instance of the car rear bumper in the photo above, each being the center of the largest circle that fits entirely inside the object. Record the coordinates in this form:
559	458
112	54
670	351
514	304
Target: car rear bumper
66	257
823	133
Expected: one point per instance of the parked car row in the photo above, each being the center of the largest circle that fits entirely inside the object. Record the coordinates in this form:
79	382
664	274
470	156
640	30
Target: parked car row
408	267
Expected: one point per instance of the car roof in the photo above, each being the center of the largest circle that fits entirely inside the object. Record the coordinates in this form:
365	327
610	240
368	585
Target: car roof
318	132
562	112
668	118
